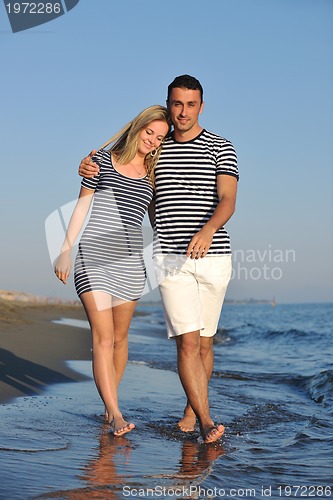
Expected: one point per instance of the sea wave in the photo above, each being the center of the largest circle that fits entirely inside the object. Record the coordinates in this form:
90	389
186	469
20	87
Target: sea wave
320	388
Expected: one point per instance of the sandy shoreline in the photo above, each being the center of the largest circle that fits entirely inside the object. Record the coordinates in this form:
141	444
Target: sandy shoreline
34	350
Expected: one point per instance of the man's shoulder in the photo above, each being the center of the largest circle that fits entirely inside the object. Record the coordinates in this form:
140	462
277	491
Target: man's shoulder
215	138
205	140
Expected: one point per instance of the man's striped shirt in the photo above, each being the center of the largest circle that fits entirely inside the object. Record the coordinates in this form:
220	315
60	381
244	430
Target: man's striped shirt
186	193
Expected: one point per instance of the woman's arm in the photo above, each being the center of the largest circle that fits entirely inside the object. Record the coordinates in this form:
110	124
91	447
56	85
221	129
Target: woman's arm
151	212
63	262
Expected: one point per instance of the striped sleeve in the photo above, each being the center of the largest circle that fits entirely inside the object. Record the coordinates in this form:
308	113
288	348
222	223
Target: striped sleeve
226	160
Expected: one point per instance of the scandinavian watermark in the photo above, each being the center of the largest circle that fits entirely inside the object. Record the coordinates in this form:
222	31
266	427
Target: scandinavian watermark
248	264
55	230
265	264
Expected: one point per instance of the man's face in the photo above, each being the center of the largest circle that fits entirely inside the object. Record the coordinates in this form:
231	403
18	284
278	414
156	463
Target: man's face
185	106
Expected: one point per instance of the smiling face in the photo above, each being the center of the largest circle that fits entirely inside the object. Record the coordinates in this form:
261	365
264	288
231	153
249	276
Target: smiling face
151	136
185	106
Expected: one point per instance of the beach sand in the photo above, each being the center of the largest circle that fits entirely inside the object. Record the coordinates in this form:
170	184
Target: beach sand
34	350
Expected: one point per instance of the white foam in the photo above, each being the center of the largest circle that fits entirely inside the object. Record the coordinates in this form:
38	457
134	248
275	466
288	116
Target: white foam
79	323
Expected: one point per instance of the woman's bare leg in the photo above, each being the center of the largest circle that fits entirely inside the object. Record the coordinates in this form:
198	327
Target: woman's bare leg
122	316
98	306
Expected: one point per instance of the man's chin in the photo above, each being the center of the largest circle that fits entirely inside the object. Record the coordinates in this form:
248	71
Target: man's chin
183	126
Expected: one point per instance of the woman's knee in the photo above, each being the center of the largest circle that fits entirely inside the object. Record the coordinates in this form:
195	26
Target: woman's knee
102	338
120	341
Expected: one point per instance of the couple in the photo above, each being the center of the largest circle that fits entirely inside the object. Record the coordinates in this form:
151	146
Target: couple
188	181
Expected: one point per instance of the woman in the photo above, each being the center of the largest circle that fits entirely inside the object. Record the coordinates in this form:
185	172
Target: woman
109	271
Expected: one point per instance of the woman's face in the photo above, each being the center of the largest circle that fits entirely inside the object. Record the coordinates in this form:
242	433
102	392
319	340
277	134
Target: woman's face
152	136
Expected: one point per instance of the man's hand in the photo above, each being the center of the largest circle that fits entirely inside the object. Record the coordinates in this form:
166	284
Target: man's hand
200	243
87	167
202	240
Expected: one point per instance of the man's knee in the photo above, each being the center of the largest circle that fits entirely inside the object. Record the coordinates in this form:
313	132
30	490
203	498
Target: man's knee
189	343
206	346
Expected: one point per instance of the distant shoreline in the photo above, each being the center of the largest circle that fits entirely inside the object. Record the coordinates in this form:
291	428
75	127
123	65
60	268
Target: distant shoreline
37	299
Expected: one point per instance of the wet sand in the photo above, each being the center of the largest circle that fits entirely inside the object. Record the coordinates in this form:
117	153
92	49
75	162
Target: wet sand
34	350
62	449
55	434
54	444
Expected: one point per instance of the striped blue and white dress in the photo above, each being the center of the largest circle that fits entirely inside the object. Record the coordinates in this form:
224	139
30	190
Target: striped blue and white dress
110	252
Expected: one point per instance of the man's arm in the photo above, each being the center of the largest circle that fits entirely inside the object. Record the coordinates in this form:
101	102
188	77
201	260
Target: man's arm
88	168
202	240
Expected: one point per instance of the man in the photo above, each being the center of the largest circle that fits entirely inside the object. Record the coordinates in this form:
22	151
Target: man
196	186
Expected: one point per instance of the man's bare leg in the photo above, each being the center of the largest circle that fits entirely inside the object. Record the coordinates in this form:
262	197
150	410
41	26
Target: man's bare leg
194	379
187	423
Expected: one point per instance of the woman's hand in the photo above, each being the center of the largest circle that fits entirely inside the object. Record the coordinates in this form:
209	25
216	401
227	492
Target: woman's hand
62	266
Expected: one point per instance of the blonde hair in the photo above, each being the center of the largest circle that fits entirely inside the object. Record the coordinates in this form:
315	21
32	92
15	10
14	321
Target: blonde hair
125	142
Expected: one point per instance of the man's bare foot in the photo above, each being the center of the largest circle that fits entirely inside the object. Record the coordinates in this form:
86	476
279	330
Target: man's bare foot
187	423
214	434
120	427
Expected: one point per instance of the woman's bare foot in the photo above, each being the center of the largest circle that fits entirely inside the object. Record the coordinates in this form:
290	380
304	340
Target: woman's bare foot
108	417
214	433
119	426
187	423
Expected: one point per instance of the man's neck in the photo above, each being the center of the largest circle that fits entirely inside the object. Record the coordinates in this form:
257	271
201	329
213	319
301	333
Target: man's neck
187	135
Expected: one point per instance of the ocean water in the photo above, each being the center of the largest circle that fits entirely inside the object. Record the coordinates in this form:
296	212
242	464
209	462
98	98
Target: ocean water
272	388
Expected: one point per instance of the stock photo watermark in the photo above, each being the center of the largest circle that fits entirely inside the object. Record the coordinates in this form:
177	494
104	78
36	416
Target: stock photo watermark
26	15
266	264
197	492
250	264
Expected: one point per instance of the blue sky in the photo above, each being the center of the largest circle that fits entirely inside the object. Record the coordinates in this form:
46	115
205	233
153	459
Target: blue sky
267	72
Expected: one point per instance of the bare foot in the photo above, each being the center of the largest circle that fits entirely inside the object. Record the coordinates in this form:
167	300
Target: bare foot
187	423
214	434
120	427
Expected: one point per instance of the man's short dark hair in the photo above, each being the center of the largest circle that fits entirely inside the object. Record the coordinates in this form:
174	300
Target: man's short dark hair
185	82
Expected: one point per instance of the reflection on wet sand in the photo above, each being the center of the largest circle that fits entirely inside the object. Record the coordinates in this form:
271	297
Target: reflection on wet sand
196	459
114	455
116	472
102	471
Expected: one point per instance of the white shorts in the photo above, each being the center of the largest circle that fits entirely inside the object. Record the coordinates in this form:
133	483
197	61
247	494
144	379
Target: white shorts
192	291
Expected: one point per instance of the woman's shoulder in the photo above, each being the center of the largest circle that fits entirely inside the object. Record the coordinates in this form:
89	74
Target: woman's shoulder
102	156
